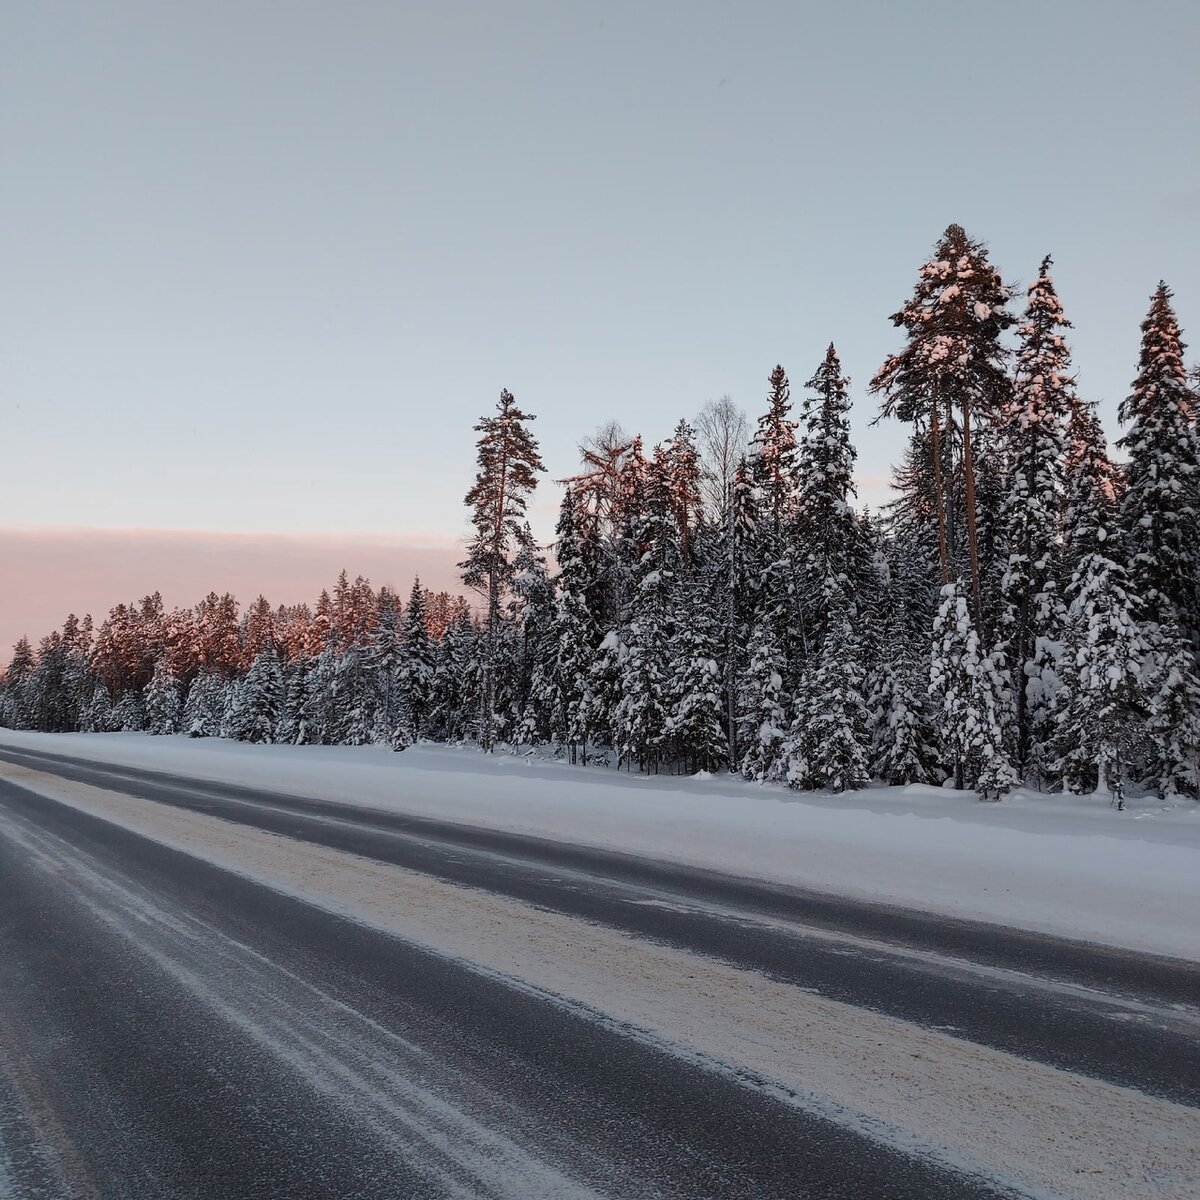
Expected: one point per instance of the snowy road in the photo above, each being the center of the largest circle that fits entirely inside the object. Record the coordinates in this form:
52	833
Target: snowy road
217	991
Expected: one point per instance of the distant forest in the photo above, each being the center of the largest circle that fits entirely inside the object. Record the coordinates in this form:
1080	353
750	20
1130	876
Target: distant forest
1025	610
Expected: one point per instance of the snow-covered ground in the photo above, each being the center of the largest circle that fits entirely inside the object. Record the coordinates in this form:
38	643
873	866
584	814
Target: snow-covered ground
1065	865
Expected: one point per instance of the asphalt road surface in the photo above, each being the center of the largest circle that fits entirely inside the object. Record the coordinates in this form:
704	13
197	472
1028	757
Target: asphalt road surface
210	991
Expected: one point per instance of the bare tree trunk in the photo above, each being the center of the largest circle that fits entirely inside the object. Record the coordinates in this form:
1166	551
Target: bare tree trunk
487	730
940	486
972	542
731	647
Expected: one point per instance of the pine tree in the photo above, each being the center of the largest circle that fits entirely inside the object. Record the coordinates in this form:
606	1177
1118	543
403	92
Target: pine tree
508	465
1035	436
1159	512
949	375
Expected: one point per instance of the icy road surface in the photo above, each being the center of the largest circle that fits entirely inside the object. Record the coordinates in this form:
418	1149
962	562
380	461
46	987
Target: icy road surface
218	991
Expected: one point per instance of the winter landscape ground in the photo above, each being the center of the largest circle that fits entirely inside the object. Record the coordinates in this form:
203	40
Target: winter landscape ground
237	970
1061	864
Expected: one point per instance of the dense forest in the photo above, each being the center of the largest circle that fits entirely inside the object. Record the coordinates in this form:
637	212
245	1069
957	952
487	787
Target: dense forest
1026	610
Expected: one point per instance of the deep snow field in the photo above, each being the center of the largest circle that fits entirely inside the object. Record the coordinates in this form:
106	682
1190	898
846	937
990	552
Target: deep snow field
1067	865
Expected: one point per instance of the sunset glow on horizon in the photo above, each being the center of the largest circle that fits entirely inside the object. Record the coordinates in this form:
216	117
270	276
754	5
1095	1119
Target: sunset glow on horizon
91	571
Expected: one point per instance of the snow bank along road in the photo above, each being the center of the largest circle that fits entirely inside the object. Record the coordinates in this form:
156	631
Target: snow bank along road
217	991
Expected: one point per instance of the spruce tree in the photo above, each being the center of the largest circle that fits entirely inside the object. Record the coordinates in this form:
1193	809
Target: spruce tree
604	689
641	716
737	581
455	680
573	640
902	743
205	706
259	700
695	726
383	655
356	698
416	666
1173	703
827	747
773	455
826	527
163	701
1159	511
97	712
1035	438
762	711
965	686
1101	718
293	726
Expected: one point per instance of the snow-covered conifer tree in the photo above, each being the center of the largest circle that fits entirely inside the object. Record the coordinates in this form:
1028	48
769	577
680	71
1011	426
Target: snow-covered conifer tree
737	571
950	374
455	680
1035	433
826	527
695	726
97	712
1173	702
355	698
826	748
1101	717
762	714
965	686
293	728
773	455
508	465
255	713
641	717
573	641
415	669
1159	512
163	701
205	706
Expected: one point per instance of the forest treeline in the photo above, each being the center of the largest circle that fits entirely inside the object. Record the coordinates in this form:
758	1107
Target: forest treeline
1025	610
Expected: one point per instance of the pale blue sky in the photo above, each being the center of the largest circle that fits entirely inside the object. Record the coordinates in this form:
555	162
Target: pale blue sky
264	264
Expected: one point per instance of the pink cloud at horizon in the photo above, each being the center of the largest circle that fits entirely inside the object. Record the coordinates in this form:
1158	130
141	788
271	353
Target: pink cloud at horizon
48	573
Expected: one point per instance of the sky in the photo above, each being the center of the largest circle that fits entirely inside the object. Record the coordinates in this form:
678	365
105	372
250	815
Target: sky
263	265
